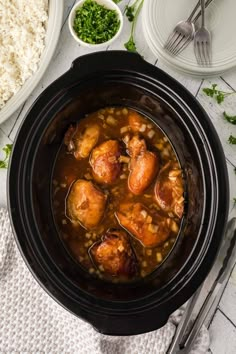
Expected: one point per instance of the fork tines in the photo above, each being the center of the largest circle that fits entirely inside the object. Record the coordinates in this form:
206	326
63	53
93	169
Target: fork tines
180	37
202	47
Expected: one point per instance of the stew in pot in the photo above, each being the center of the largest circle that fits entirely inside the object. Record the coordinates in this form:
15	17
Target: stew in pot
118	194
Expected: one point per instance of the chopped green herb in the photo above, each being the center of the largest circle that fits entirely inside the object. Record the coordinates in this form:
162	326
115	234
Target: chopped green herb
232	139
218	95
116	1
130	45
130	11
234	200
7	150
230	119
95	23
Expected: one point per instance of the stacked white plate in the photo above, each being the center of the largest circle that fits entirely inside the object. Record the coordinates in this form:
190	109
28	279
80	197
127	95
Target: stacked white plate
160	17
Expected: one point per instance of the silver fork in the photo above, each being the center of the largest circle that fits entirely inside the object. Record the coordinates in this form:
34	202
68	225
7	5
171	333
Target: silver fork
182	34
180	38
202	41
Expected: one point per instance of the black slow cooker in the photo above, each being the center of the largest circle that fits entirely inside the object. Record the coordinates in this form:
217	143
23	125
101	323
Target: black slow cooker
118	78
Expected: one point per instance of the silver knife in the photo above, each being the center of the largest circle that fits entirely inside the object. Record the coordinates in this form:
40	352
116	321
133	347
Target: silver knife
225	262
226	258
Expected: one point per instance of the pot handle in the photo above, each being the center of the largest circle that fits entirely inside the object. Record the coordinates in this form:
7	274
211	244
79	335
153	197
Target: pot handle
97	62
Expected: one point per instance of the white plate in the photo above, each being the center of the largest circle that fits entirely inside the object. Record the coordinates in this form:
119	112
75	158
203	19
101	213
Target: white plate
161	16
54	24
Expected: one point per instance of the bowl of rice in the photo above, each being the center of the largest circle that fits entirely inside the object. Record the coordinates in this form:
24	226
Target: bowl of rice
29	34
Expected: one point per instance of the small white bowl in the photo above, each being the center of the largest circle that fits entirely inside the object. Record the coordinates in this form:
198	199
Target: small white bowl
109	4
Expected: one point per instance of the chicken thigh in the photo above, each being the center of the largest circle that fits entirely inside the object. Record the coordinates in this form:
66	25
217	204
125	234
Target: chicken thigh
143	165
105	162
169	189
136	122
150	229
85	204
114	254
81	142
139	124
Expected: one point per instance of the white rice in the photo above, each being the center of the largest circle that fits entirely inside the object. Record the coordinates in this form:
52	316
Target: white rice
22	35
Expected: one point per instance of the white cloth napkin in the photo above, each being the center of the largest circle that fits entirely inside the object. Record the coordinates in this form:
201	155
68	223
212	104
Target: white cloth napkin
32	322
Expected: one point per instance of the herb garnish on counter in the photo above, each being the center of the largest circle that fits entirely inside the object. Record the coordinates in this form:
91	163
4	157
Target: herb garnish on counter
94	23
7	150
230	119
130	10
130	45
232	139
218	95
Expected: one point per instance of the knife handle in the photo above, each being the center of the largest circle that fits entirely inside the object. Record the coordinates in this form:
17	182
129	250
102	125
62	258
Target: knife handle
217	288
182	329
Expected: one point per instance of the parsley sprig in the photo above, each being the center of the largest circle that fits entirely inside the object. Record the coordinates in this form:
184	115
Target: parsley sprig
7	150
130	45
230	119
232	139
218	95
130	11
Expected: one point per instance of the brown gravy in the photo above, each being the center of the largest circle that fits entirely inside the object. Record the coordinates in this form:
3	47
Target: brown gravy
114	124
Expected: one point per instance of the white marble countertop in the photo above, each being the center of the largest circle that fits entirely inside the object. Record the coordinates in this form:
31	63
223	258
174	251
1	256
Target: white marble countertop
223	326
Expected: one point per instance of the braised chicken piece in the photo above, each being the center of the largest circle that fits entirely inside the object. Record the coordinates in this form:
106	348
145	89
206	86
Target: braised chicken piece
109	173
81	142
105	162
139	124
85	204
135	145
114	255
150	229
143	166
169	189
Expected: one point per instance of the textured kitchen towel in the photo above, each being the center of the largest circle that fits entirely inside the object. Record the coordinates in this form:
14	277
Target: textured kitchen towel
32	322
